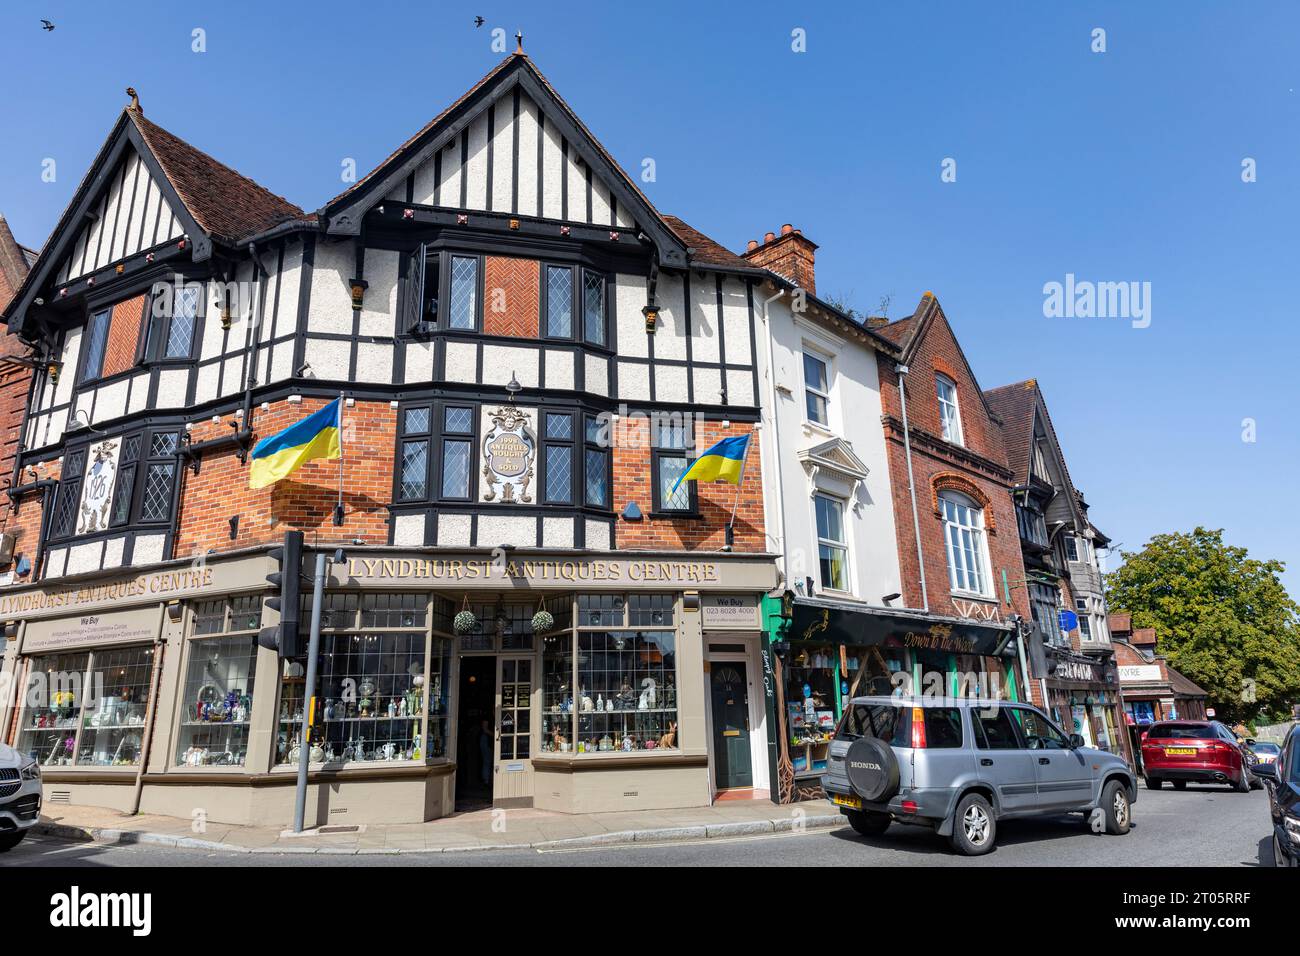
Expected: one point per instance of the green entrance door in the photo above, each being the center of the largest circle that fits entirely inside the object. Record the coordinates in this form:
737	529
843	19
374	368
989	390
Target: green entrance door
731	756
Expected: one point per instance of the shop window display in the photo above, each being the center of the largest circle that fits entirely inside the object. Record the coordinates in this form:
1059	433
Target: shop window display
217	696
612	690
811	685
87	709
376	680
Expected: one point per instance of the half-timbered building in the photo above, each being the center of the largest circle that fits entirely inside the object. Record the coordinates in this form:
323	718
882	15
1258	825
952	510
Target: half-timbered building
528	354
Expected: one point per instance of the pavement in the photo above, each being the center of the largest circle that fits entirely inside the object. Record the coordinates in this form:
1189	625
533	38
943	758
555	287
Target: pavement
521	829
1198	827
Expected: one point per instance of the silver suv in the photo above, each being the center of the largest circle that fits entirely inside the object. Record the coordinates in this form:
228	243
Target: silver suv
20	796
960	766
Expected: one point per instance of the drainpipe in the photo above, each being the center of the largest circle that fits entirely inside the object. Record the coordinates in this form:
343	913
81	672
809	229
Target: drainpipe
776	437
147	733
911	483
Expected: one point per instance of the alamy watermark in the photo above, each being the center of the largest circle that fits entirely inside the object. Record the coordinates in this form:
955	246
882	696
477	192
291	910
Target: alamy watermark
1085	299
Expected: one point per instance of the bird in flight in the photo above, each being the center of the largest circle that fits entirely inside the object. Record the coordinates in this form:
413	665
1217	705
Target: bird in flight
478	22
47	26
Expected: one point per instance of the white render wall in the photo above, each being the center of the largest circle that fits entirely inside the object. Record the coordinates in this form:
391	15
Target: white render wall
854	414
559	169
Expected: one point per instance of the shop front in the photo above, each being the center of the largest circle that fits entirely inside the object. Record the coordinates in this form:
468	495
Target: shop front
444	681
1083	696
822	653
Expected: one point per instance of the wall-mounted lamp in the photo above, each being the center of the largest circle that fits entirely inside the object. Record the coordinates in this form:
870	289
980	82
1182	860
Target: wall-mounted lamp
11	630
358	287
234	527
226	318
55	369
889	599
174	611
651	313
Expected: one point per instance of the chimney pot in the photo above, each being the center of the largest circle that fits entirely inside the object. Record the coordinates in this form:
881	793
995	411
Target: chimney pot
877	321
787	229
769	236
753	244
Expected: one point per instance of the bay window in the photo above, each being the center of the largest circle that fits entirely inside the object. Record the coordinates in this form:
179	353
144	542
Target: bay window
596	463
216	701
557	458
96	347
87	709
610	686
462	312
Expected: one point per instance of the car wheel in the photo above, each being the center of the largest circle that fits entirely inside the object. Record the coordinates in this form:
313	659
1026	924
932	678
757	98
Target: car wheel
1180	784
1154	783
1115	805
867	822
1242	785
974	828
1279	857
10	840
1256	783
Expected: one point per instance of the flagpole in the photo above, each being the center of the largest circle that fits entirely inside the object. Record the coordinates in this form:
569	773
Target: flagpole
338	511
731	524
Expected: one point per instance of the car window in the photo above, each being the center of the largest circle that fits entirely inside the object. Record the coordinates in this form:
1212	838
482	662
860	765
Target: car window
1266	748
995	731
1181	731
942	727
882	721
1038	733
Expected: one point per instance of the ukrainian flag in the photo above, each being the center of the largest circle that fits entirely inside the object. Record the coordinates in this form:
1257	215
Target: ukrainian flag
724	461
319	435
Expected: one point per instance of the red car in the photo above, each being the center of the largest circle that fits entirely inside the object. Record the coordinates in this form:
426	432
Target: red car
1203	751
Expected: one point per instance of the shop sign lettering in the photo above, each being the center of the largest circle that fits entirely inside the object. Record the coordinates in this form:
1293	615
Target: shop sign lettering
144	586
534	571
939	638
1075	670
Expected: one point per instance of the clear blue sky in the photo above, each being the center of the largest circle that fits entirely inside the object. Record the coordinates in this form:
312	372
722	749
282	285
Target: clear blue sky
1117	166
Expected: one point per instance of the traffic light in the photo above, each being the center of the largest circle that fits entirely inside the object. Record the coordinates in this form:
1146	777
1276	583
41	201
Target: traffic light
285	638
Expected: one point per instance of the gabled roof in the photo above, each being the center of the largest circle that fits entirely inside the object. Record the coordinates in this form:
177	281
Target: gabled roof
1020	406
212	201
343	214
227	205
705	250
906	334
14	263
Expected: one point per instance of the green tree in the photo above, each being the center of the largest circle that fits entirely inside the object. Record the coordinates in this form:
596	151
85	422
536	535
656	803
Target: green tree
1222	617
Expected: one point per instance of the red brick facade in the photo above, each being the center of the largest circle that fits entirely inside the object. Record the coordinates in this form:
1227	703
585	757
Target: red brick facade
305	500
977	469
123	335
633	481
511	291
15	381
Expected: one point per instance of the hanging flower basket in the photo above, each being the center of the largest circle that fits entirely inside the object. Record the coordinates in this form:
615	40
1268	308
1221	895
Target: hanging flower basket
464	622
543	621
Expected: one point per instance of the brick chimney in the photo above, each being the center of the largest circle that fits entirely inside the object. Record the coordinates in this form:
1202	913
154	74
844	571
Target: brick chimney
877	321
789	254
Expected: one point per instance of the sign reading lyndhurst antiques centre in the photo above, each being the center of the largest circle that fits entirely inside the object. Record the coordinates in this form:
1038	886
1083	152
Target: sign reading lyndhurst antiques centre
520	572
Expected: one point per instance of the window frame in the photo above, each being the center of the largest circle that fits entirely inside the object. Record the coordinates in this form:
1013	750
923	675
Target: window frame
843	546
590	447
1082	612
405	437
824	395
979	550
444	303
146	462
947	426
669	448
544	301
604	280
84	375
546	442
469	438
156	332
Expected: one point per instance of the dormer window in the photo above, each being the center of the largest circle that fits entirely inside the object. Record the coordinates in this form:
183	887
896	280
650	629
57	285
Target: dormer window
949	411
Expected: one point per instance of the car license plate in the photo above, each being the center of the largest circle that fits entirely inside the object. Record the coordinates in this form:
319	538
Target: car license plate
1180	751
853	803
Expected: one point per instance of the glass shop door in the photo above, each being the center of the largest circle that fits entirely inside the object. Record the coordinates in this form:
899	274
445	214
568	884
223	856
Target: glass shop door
512	781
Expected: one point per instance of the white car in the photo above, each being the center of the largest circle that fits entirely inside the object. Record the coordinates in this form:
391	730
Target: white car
20	796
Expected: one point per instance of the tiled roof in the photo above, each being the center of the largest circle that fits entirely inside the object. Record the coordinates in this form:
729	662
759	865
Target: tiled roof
228	206
898	331
705	250
1121	622
1185	685
13	264
1014	404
